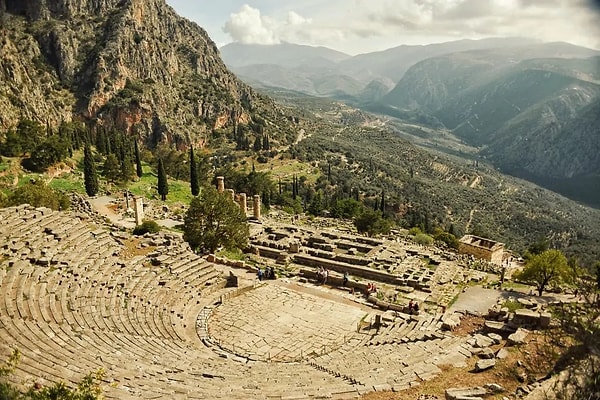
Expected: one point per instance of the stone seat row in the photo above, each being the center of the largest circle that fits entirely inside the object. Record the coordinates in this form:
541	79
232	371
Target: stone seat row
391	362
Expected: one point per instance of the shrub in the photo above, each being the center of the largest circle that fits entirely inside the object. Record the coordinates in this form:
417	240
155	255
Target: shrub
424	239
148	226
414	231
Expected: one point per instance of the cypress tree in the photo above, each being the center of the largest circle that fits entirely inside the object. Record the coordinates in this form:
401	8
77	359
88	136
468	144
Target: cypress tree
194	178
257	144
126	168
382	203
138	160
294	193
163	185
89	172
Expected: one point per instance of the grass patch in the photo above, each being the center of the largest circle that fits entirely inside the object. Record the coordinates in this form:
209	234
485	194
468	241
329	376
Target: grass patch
520	287
512	305
67	185
179	191
286	169
231	254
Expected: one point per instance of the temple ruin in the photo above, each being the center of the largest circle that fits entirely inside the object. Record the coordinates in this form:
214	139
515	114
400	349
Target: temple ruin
482	248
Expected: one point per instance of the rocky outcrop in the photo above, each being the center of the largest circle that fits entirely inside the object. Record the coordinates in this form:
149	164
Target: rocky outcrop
133	65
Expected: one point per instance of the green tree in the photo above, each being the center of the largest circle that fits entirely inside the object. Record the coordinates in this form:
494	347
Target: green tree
38	194
138	160
316	205
126	169
52	150
89	172
213	220
547	268
194	178
536	248
372	223
30	133
111	169
346	208
163	185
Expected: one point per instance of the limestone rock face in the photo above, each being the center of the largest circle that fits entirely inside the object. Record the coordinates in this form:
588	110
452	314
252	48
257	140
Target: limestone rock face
134	65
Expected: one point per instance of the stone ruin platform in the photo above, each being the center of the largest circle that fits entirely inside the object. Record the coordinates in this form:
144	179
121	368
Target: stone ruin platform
279	323
162	324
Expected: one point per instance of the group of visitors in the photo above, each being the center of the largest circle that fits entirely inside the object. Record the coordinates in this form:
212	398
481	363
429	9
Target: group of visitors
413	307
322	275
268	273
371	288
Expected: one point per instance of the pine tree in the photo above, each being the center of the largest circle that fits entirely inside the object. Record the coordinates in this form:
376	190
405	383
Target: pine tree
138	160
163	185
89	172
194	178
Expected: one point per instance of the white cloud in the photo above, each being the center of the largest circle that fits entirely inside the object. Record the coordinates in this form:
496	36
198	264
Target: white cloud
356	25
249	26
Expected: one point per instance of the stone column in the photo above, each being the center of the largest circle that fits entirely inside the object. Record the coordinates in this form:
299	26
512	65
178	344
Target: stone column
256	206
243	202
231	193
220	184
138	208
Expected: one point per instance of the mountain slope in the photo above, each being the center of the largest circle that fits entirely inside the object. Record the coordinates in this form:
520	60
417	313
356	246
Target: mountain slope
521	113
135	65
284	55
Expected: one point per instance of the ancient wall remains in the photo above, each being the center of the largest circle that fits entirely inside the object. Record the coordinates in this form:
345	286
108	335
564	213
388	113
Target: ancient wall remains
482	248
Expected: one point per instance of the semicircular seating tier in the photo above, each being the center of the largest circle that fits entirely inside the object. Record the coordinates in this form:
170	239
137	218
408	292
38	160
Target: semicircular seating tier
75	298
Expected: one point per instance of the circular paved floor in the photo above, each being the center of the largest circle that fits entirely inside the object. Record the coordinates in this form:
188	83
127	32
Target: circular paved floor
277	323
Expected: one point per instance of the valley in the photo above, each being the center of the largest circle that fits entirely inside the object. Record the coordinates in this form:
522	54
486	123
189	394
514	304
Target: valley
287	221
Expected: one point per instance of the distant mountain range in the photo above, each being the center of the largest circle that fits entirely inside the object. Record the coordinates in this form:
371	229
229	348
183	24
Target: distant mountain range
531	108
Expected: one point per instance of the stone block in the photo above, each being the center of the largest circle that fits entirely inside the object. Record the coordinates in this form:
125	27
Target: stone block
465	393
486	353
545	319
495	337
502	353
525	316
450	322
484	364
518	337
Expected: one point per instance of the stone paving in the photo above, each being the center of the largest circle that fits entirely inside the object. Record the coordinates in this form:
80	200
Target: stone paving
277	323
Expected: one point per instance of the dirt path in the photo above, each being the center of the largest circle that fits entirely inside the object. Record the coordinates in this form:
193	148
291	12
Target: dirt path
473	211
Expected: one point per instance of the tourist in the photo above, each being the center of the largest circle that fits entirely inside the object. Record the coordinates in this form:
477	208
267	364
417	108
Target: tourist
325	275
345	280
260	274
321	275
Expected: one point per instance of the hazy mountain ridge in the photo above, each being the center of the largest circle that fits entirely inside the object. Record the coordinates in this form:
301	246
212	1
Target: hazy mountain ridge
132	64
521	113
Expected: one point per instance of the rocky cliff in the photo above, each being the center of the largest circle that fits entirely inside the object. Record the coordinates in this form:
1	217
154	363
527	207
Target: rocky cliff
130	64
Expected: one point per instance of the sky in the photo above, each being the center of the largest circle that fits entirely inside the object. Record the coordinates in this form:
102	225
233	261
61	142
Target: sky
362	26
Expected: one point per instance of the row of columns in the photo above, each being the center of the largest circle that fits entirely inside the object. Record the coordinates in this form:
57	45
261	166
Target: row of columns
242	198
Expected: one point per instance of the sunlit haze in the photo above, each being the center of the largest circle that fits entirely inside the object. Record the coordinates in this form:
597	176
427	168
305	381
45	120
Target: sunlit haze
357	26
